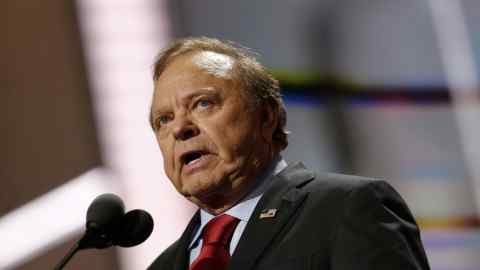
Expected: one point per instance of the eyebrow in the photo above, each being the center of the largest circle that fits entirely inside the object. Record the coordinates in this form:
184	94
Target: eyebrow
199	92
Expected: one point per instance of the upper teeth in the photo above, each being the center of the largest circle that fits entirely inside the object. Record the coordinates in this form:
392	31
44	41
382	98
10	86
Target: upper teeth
195	156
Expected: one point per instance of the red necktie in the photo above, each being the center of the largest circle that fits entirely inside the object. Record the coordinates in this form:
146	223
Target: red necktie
214	254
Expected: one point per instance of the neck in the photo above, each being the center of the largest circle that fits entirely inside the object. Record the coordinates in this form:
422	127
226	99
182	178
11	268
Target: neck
224	199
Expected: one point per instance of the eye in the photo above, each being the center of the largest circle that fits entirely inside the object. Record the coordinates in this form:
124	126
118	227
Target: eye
204	103
163	120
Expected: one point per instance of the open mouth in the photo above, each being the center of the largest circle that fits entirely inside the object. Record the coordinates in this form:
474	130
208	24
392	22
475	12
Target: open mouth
192	157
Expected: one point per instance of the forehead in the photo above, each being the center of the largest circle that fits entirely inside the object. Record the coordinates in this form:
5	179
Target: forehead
216	64
201	64
195	71
207	62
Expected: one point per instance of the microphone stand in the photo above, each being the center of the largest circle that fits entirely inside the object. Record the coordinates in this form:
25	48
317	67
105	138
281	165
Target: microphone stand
93	238
68	256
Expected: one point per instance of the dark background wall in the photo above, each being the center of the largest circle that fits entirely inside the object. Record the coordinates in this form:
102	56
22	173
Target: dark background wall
48	135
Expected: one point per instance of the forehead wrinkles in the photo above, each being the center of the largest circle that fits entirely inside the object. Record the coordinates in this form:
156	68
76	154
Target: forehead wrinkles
216	64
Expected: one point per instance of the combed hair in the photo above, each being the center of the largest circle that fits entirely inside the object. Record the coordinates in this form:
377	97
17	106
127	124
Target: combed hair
261	87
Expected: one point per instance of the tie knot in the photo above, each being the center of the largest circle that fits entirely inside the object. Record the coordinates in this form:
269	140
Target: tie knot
219	230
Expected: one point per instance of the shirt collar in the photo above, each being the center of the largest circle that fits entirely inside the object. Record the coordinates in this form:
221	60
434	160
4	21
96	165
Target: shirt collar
244	209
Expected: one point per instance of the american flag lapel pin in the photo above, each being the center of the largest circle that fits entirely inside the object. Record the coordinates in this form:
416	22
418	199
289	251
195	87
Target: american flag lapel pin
268	213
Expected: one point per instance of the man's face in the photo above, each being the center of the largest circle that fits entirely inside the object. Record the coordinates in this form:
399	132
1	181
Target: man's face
212	140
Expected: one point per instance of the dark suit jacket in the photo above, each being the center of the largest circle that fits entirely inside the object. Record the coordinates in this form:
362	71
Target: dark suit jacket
324	221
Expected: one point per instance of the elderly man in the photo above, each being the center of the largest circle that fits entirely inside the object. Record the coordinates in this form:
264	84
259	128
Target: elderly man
220	122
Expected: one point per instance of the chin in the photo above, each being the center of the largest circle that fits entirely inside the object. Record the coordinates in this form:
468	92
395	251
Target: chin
204	189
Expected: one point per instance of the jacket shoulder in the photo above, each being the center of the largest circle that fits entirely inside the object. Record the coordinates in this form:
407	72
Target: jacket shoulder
166	259
342	195
339	184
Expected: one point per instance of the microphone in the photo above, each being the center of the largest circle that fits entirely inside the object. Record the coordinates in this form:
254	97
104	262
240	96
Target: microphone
103	216
135	227
104	209
107	225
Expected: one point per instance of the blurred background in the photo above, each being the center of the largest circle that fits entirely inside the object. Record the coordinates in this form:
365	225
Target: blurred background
386	89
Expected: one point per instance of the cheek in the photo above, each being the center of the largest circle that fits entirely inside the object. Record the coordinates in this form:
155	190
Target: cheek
167	155
236	135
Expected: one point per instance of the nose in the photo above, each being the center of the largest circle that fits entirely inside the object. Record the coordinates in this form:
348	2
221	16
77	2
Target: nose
185	130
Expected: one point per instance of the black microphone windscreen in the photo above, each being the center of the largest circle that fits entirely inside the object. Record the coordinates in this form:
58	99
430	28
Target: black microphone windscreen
104	210
134	228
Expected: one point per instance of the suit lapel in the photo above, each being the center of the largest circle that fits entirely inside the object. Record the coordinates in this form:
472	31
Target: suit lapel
281	200
182	255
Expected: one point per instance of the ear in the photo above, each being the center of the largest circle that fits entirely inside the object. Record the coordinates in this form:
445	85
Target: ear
269	122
